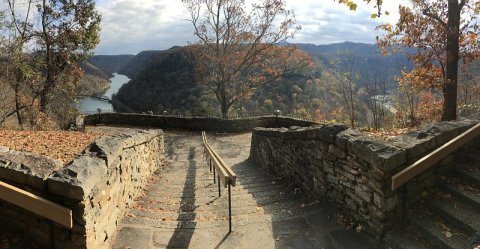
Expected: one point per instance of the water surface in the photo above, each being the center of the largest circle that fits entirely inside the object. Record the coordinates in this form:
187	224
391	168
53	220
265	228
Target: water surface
89	104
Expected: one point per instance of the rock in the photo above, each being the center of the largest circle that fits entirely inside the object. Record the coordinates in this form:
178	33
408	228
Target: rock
342	137
336	151
363	194
416	144
328	132
4	149
377	152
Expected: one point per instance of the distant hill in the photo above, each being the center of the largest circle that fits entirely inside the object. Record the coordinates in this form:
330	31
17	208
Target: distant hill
110	64
160	80
94	82
98	70
138	63
164	80
369	58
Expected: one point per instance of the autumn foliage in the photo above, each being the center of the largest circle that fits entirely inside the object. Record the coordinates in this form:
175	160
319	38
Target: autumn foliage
424	29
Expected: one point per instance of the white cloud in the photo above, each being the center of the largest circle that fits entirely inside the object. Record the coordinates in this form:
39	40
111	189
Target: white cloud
130	26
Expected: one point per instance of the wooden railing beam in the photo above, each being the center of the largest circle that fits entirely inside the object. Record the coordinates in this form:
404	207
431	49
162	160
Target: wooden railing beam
434	157
36	204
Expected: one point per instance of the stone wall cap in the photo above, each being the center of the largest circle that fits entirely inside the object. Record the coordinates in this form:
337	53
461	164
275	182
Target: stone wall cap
32	164
377	152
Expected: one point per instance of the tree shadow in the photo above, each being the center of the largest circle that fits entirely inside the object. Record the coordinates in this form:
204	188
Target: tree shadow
183	233
281	202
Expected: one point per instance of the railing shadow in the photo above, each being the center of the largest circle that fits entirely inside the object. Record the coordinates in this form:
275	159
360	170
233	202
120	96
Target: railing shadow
183	233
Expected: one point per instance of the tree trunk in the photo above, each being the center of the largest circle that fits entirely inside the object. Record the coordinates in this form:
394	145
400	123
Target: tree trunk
450	87
18	108
223	101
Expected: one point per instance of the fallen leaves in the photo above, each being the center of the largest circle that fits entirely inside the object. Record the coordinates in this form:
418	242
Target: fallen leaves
387	134
60	145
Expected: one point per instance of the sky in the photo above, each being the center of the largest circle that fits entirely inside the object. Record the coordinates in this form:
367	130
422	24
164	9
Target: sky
131	26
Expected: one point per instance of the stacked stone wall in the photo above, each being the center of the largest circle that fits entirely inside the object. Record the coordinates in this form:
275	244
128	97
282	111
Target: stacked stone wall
193	123
354	170
98	186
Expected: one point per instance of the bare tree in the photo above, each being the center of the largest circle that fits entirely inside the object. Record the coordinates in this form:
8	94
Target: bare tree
347	76
239	46
375	82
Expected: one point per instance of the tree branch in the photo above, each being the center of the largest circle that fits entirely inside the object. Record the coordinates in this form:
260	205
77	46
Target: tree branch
427	12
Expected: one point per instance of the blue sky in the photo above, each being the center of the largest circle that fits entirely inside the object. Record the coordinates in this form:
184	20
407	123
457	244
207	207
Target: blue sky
131	26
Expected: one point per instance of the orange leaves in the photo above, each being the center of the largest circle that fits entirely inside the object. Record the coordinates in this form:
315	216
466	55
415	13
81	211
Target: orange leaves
426	77
60	145
429	108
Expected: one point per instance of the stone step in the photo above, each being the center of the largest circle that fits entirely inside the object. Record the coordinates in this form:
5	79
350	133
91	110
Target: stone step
238	197
469	175
291	222
246	183
213	189
436	231
201	214
268	206
466	195
402	239
456	213
208	177
259	197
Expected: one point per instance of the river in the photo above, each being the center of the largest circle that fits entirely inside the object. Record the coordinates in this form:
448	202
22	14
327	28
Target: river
91	104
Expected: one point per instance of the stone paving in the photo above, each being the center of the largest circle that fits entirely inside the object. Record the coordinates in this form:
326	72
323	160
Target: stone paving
181	207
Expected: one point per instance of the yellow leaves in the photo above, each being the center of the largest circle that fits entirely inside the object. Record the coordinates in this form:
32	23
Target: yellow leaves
349	4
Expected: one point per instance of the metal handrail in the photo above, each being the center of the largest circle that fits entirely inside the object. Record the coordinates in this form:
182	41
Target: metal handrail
37	205
434	157
221	171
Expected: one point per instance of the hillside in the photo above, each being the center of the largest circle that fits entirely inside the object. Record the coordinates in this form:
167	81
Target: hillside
162	80
138	63
110	64
98	71
94	81
369	58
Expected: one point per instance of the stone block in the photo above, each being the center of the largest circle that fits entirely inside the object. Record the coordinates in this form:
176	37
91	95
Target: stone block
417	144
336	151
342	137
362	194
328	132
376	152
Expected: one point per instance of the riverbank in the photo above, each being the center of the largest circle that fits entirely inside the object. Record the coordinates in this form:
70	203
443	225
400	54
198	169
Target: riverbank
91	104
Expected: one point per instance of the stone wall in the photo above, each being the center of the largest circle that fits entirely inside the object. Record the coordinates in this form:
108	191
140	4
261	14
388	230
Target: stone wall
354	170
193	123
98	185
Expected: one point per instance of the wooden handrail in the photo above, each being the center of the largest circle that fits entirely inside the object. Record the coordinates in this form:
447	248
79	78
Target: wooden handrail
36	204
226	174
434	157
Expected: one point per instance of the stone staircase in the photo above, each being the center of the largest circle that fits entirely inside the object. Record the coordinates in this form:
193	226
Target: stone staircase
257	199
447	217
181	208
